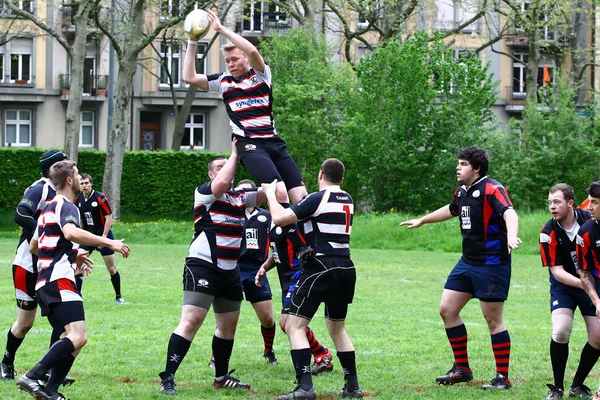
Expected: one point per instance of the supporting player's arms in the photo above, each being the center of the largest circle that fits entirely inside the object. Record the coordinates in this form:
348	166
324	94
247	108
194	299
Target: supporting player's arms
24	218
558	271
223	181
281	216
589	285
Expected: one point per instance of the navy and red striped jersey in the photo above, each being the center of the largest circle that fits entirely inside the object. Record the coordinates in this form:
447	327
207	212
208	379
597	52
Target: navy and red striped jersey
56	254
93	211
255	242
35	198
248	101
480	210
283	251
588	248
327	216
219	225
558	248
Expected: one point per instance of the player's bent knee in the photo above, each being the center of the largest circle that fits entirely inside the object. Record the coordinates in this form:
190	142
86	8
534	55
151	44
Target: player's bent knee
562	325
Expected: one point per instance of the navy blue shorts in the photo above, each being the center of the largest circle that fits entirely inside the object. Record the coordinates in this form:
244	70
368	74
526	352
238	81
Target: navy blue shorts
105	251
484	282
253	293
564	296
268	159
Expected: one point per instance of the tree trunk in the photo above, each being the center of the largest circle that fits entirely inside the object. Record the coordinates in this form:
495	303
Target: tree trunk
119	133
75	97
182	115
533	64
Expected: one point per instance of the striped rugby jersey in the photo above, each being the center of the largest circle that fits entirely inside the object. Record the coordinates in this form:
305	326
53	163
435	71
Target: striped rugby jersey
588	248
248	101
558	248
219	225
328	216
56	254
480	210
35	198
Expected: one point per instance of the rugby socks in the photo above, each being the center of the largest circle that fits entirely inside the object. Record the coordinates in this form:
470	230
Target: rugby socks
589	356
58	375
348	361
176	351
222	349
301	361
268	335
458	338
559	353
57	353
116	282
316	348
12	345
501	348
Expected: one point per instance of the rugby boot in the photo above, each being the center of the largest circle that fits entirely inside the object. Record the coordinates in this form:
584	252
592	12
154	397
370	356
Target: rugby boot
555	393
355	394
167	383
211	363
323	363
299	394
229	382
8	372
32	386
270	356
455	375
582	392
499	383
66	382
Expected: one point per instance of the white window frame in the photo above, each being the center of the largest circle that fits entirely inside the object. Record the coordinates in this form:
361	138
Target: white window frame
2	65
20	55
193	126
521	92
165	14
18	123
170	56
250	16
91	124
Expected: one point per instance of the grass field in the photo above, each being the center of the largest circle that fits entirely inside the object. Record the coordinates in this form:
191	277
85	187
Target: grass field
394	322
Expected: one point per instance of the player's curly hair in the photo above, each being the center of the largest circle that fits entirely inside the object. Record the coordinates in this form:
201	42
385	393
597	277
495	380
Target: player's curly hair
594	190
477	157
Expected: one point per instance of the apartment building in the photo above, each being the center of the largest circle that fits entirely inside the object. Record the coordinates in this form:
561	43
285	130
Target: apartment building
34	84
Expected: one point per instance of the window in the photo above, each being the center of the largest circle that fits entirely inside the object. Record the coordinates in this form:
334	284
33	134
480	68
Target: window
253	15
17	126
2	67
169	8
24	5
547	32
367	9
194	135
200	51
170	56
18	60
519	70
450	14
86	129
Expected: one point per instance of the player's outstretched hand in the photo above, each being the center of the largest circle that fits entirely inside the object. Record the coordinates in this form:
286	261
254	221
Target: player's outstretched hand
214	20
513	243
412	223
84	263
234	147
259	275
270	188
119	247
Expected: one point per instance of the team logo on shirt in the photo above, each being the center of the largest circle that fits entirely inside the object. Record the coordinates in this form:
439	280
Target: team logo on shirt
252	239
545	238
261	218
597	243
254	80
465	217
94	204
476	193
250	147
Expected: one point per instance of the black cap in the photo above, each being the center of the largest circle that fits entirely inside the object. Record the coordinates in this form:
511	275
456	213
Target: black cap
49	158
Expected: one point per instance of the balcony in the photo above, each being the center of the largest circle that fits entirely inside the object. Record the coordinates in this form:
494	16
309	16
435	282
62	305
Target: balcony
262	24
517	99
94	87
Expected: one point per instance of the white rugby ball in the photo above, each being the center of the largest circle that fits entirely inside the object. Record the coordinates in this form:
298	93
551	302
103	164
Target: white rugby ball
196	24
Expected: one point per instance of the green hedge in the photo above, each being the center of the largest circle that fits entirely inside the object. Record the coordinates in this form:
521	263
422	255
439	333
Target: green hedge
154	183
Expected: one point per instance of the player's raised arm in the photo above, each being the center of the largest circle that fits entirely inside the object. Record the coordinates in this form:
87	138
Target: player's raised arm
254	57
189	68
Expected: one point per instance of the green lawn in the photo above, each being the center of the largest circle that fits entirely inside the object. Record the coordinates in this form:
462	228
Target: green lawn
394	322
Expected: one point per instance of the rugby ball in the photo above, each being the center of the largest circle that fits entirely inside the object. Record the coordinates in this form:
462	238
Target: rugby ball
196	24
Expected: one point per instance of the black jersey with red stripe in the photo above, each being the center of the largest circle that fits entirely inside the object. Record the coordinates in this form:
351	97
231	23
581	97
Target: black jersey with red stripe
556	248
255	241
588	248
93	210
283	251
480	209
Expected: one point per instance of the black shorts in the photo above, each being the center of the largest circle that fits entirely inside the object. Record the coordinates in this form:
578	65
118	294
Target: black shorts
62	314
105	251
24	283
564	296
60	291
267	159
201	276
329	280
485	282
